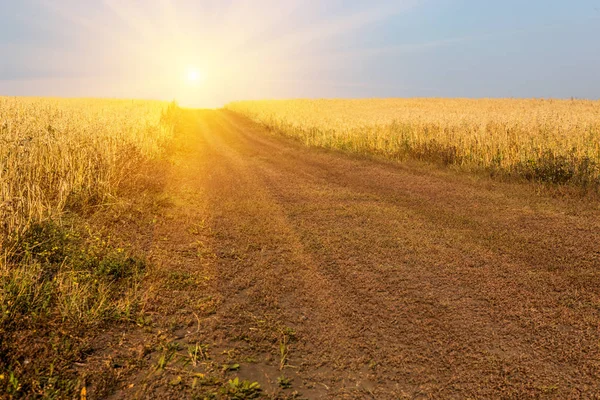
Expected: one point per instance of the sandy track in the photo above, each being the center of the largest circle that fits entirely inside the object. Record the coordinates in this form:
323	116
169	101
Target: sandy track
398	280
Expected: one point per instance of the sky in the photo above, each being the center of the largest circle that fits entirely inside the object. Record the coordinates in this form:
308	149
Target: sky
267	49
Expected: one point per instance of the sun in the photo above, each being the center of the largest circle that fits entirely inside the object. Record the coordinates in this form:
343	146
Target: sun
194	76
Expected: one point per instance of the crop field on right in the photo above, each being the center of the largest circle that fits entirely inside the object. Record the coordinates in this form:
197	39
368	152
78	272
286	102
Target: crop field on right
550	141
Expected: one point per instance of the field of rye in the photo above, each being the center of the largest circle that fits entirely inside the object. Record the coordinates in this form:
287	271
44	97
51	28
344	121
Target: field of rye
70	153
551	141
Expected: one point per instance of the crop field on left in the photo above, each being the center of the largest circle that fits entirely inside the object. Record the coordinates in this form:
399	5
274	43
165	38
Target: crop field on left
61	275
57	154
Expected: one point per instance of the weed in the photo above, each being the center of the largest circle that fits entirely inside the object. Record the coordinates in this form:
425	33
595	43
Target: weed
284	382
82	300
283	352
236	389
560	169
173	346
198	352
25	296
164	359
230	367
285	336
119	266
179	280
44	242
175	381
13	384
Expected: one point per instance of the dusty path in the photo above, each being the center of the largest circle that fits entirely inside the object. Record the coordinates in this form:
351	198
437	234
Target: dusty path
366	279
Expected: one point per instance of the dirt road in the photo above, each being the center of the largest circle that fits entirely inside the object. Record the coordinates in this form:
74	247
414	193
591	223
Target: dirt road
358	278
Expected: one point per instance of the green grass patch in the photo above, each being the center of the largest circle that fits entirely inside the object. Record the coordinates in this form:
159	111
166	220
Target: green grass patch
58	285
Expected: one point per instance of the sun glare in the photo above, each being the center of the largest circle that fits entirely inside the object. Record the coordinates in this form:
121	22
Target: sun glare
193	76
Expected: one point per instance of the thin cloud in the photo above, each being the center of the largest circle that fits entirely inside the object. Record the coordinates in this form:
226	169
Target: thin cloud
413	47
340	25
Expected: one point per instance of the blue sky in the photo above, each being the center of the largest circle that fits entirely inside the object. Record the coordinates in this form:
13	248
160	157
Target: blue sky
247	49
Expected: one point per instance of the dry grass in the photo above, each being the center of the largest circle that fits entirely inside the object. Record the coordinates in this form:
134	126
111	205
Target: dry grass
70	153
556	141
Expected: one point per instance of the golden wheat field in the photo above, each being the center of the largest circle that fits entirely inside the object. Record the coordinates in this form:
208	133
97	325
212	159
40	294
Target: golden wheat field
554	141
59	151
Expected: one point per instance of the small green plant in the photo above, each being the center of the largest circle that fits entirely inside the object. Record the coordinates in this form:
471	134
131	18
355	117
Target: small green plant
236	389
283	352
230	367
45	242
173	346
13	384
118	265
25	296
143	320
201	379
197	352
284	382
285	336
181	279
164	359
